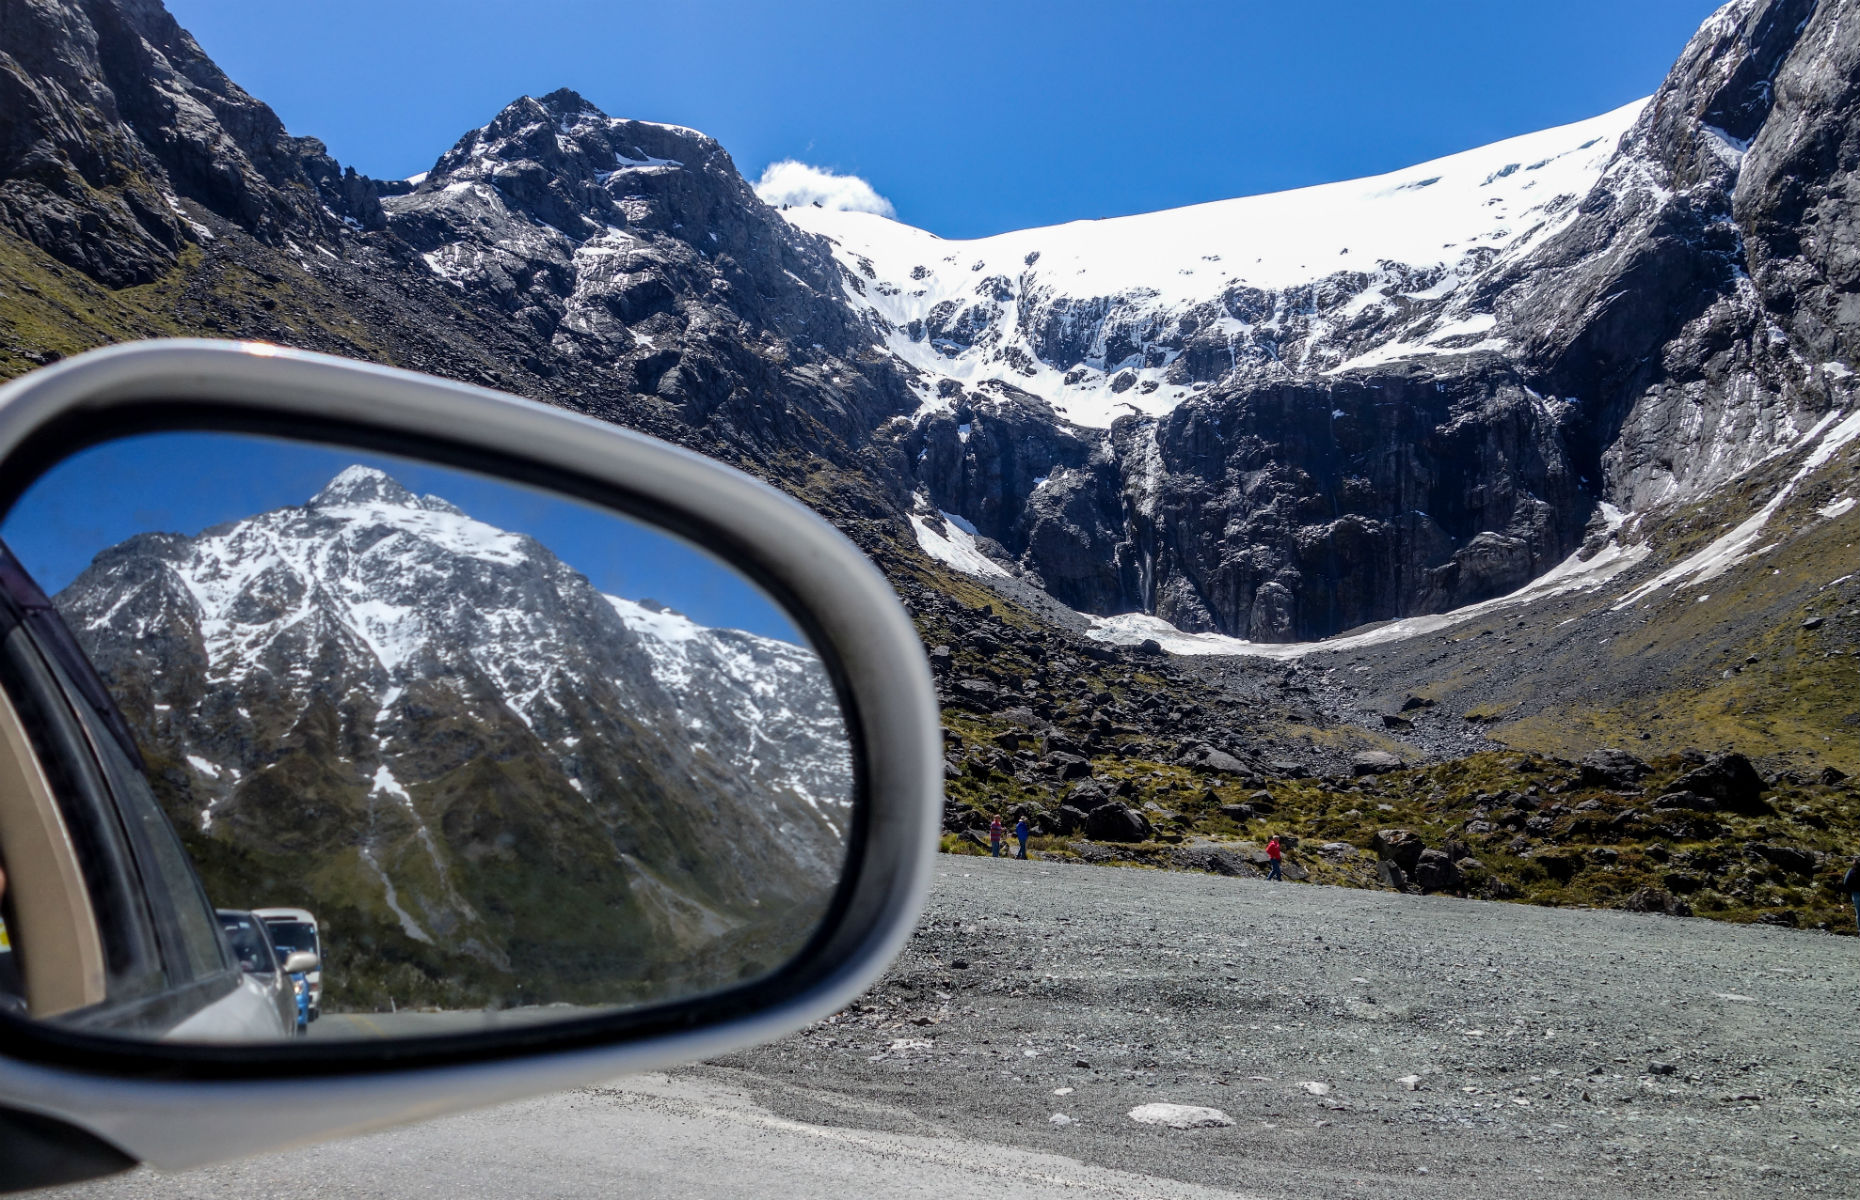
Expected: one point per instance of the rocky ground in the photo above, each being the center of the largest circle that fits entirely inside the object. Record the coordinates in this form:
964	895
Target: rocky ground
1360	1043
1543	741
1351	1044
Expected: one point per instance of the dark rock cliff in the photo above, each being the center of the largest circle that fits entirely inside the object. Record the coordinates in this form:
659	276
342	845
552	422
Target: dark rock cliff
1696	314
1646	311
112	112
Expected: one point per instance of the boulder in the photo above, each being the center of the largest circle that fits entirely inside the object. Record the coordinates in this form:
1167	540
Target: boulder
1611	768
1832	775
1116	823
1400	846
1207	758
1562	866
1068	766
1730	780
1656	900
979	693
1792	860
1237	812
1374	762
1180	1116
1435	871
1069	819
1088	794
1392	875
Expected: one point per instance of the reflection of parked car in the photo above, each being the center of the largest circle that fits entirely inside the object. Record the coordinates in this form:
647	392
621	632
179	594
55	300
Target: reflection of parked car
263	965
296	929
109	923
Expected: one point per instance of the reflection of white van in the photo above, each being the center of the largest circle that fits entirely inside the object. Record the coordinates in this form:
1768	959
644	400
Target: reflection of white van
295	929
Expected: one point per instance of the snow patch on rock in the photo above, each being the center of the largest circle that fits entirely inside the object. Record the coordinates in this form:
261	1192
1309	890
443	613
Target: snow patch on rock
955	547
1573	574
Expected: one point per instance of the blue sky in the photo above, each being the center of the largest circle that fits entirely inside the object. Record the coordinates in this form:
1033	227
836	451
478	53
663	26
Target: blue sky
970	116
184	483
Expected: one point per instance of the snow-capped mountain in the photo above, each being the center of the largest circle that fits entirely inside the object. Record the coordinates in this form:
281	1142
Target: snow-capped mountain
376	673
763	705
1132	315
1211	422
1280	417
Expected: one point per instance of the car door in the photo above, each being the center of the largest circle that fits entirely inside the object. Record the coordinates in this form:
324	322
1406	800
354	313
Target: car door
162	964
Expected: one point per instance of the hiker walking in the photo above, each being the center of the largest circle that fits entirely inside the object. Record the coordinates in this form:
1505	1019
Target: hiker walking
1020	834
1850	883
994	837
1273	853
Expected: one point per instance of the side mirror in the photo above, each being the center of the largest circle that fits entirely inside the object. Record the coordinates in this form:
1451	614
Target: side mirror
606	755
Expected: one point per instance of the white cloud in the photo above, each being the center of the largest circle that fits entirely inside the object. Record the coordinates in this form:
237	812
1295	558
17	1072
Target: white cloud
791	182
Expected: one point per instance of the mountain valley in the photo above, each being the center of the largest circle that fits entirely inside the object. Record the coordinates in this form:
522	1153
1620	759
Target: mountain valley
1469	511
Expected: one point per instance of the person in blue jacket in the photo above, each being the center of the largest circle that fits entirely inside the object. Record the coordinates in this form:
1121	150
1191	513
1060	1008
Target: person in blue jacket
1020	834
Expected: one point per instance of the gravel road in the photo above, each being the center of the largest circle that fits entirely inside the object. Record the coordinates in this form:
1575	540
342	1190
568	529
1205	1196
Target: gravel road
1549	1052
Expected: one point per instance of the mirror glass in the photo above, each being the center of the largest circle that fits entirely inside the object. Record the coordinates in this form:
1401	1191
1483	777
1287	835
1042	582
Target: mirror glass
312	741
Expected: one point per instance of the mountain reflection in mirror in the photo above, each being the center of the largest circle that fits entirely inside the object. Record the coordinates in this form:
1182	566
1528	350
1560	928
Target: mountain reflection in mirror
510	750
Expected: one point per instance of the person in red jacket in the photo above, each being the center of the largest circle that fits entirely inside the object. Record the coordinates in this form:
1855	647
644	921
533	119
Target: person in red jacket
995	832
1274	853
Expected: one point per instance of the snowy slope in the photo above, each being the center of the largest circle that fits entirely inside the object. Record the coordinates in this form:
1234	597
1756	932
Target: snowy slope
751	700
1065	311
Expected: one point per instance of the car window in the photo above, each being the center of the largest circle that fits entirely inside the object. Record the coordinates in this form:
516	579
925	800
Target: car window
132	954
290	936
185	917
249	944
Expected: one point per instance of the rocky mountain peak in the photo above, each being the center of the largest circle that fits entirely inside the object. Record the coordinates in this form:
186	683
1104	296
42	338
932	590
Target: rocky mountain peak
562	161
1271	417
363	485
637	248
117	121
